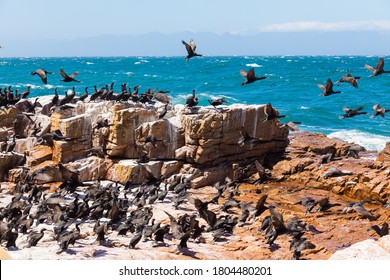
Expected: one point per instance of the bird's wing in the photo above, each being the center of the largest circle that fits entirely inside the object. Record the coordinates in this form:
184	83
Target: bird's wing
63	74
358	109
74	74
277	219
42	74
292	126
322	87
377	229
380	65
250	75
188	47
376	107
346	109
193	46
329	86
243	73
353	82
372	69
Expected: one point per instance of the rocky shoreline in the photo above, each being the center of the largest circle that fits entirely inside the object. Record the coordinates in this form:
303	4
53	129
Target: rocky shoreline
233	156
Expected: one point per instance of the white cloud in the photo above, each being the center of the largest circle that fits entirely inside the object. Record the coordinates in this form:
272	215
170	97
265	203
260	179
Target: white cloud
301	26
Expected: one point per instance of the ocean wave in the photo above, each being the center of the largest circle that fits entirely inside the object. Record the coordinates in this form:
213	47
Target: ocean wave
368	140
89	63
214	96
32	86
141	61
253	65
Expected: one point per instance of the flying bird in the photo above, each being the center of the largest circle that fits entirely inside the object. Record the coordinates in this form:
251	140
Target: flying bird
250	76
378	111
217	102
349	113
379	69
348	78
191	47
328	89
42	73
69	78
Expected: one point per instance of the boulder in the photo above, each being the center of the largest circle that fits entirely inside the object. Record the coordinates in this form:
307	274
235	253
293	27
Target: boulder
384	155
39	154
46	172
8	116
237	133
131	170
91	168
170	167
77	131
369	249
122	133
159	139
6	160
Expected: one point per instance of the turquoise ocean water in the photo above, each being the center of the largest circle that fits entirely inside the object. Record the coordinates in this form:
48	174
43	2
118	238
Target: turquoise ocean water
291	85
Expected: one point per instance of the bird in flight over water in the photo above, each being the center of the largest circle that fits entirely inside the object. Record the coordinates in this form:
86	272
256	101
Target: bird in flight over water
191	47
42	73
379	69
69	78
250	76
328	89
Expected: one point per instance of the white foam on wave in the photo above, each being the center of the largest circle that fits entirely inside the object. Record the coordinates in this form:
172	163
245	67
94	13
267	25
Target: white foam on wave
368	140
89	63
212	96
253	65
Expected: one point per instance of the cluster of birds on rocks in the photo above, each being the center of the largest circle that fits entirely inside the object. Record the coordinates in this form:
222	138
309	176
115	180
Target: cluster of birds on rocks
109	210
128	209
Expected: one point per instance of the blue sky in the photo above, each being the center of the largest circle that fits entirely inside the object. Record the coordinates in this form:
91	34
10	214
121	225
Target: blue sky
31	21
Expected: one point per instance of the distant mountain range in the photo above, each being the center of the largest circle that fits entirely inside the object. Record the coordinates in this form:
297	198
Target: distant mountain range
211	44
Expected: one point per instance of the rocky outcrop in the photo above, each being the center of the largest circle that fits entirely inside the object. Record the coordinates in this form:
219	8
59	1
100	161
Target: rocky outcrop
199	147
369	249
310	156
212	142
384	155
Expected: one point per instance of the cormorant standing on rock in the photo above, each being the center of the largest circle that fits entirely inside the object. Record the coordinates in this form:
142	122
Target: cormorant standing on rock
4	145
34	237
11	146
136	238
192	101
85	95
217	102
24	94
99	151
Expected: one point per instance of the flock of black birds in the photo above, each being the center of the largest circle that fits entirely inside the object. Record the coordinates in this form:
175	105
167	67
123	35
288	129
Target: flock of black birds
348	78
124	208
